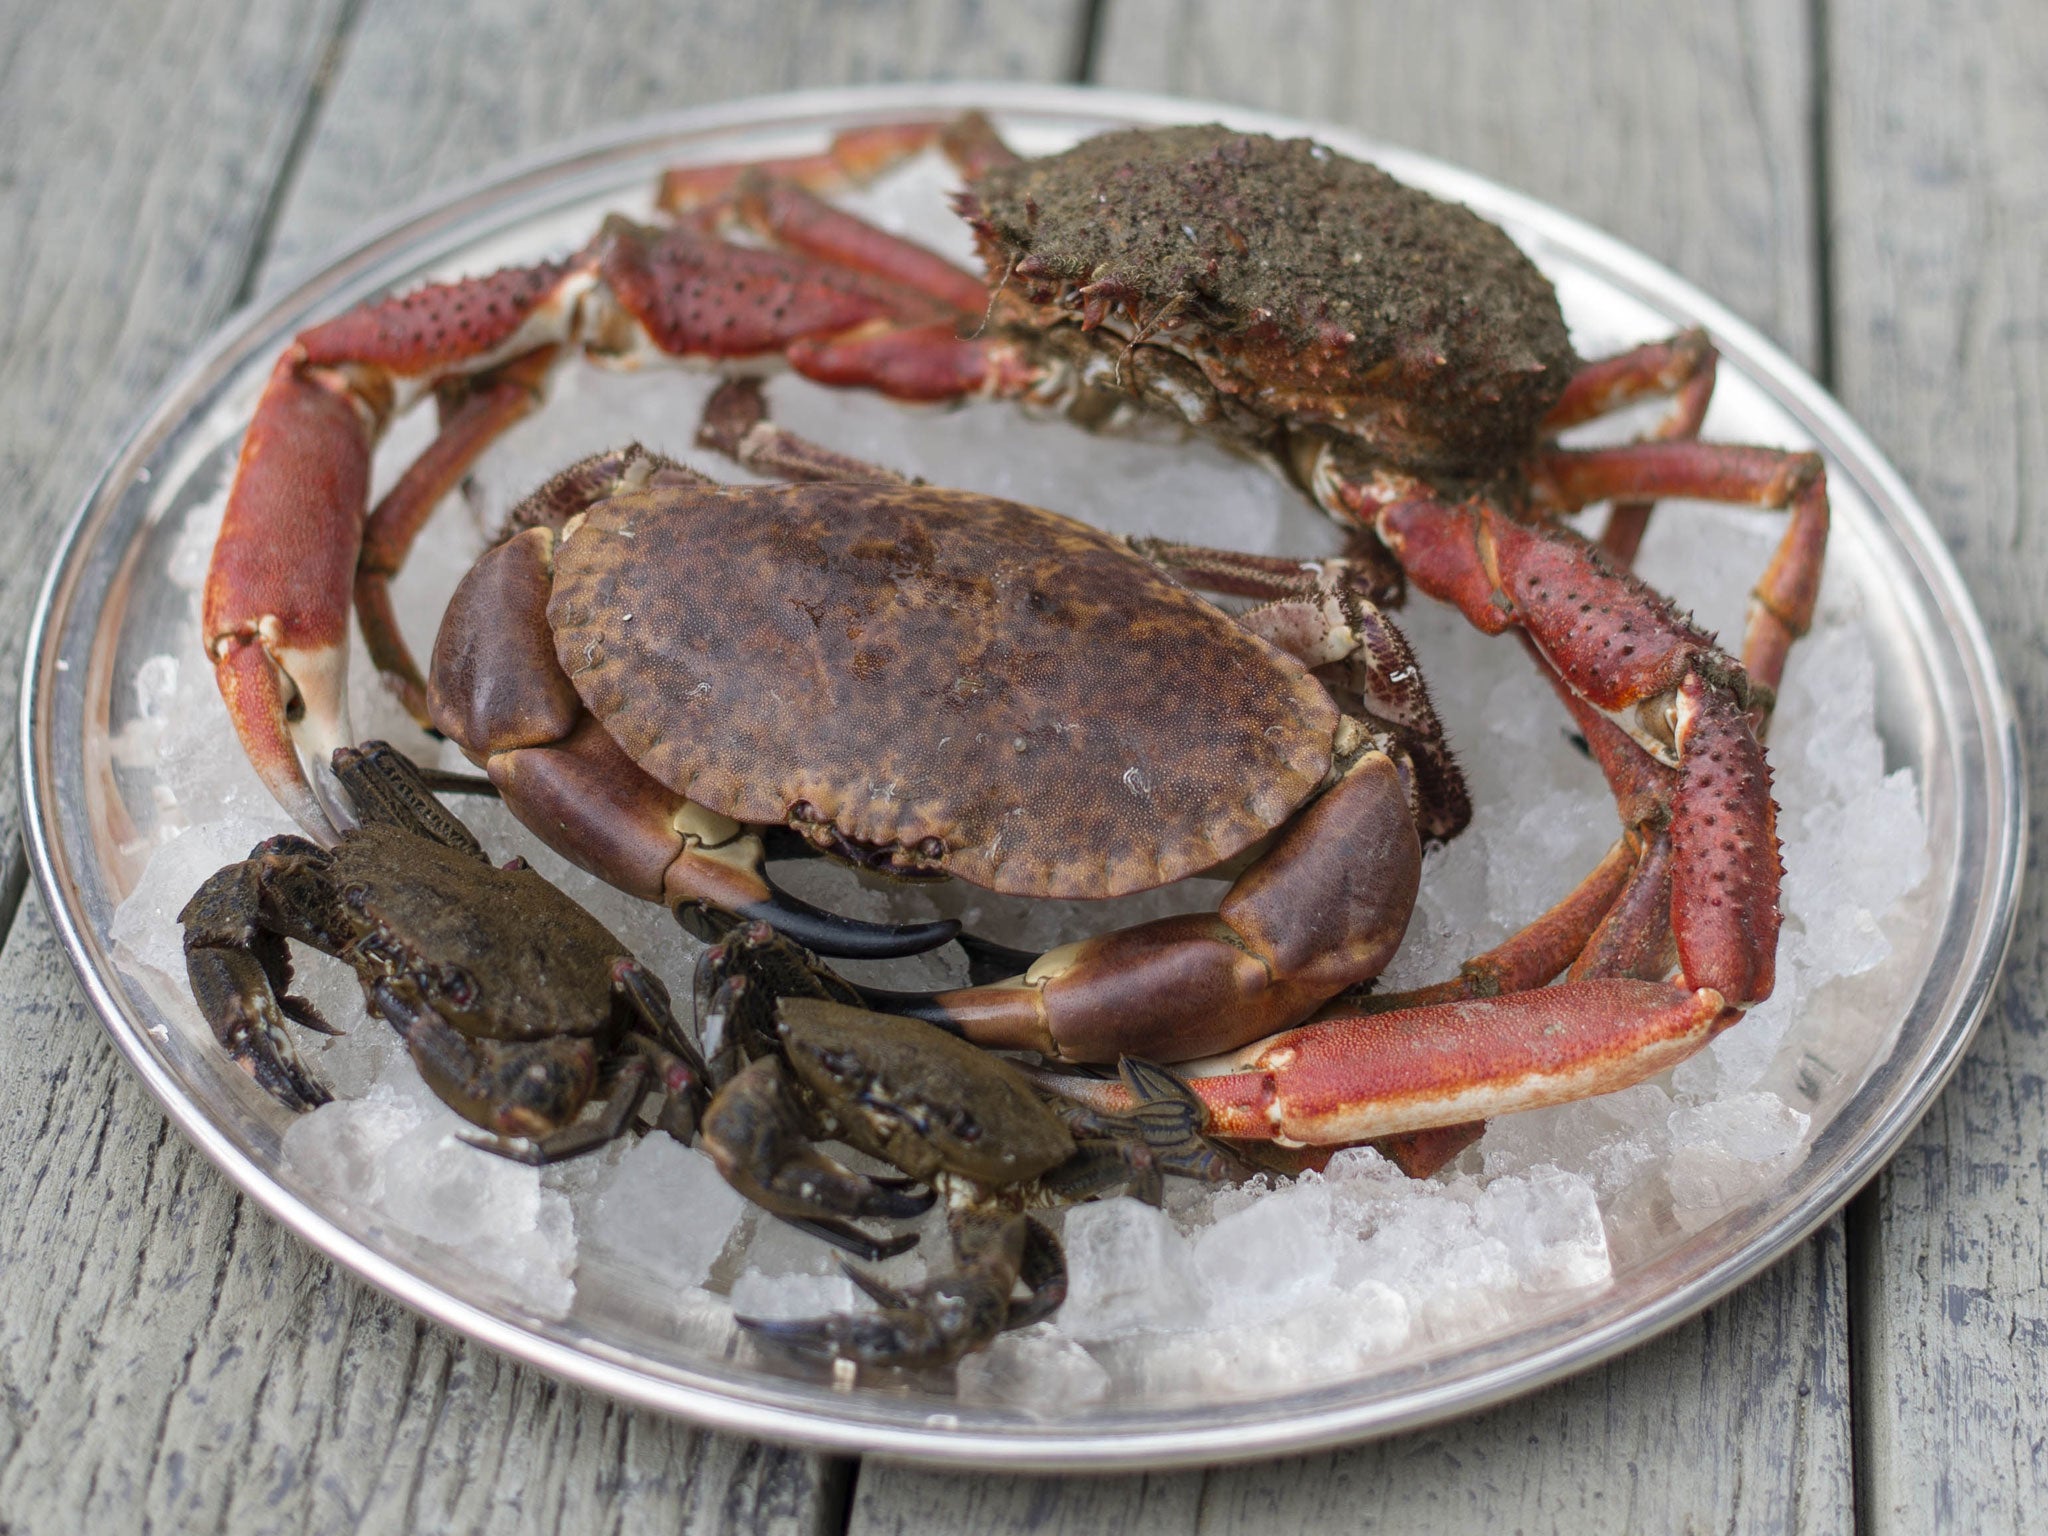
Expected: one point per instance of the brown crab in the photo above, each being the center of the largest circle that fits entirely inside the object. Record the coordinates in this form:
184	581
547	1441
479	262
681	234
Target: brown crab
658	671
516	1005
1395	356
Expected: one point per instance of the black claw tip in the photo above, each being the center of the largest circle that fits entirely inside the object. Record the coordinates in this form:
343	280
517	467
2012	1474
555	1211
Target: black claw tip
910	1005
827	933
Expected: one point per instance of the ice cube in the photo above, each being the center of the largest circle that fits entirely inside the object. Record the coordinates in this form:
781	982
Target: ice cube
1128	1268
1038	1369
760	1295
665	1209
340	1147
1549	1222
1266	1259
1725	1151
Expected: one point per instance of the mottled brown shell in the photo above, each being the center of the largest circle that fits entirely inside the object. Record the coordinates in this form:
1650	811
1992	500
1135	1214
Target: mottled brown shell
540	964
1008	692
1325	288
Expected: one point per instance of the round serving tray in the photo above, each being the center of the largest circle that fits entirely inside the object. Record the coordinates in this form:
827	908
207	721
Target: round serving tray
1942	709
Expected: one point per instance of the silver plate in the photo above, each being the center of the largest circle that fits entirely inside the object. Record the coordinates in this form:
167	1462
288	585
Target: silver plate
1943	711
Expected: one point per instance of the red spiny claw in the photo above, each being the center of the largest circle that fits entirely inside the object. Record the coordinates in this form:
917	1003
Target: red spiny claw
1724	849
1625	652
1350	1077
446	329
275	610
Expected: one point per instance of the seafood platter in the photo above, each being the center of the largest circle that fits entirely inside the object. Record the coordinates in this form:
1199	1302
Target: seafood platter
1020	776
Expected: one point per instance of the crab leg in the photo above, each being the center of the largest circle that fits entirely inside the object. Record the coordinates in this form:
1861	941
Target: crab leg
855	158
1539	952
1624	651
1683	367
797	219
492	404
1782	602
736	424
1599	388
276	605
1350	1078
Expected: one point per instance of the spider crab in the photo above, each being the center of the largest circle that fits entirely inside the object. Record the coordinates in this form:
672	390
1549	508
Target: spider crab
1394	356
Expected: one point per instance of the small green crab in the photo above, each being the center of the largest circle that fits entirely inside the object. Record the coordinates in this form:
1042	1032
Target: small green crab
964	1123
518	1007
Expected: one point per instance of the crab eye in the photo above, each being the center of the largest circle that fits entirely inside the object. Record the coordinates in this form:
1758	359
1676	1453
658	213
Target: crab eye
457	985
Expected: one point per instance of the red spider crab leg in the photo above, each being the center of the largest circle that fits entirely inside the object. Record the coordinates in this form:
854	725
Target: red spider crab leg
800	220
1681	366
1624	651
1348	1077
1782	602
493	404
1607	384
1535	955
855	158
735	423
777	200
275	610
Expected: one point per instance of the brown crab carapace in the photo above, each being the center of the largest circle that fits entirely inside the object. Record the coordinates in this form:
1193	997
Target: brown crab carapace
1395	356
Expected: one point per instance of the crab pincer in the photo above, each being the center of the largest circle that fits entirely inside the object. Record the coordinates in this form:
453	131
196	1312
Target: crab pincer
936	1321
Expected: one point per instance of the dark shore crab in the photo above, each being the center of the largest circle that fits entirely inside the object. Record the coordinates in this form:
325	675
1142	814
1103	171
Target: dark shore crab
517	1006
1396	357
964	1123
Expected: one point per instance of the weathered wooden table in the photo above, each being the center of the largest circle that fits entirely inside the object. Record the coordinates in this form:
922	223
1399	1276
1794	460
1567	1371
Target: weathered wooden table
1866	181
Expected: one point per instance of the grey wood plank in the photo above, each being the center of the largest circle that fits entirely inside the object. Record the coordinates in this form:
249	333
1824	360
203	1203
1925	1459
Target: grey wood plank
1737	1421
430	94
171	1359
1684	130
129	202
1939	182
1686	134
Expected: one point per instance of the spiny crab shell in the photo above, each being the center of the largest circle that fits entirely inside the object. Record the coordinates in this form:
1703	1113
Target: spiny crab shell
1309	287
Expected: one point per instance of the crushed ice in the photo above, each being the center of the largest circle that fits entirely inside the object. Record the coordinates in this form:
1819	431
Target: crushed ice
1250	1290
